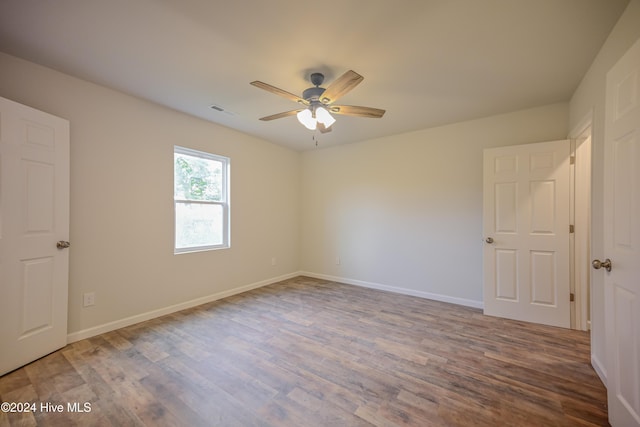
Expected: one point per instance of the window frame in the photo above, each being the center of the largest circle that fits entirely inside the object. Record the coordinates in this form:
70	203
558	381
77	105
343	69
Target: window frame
224	201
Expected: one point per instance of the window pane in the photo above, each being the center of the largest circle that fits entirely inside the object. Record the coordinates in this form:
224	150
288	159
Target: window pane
198	225
197	178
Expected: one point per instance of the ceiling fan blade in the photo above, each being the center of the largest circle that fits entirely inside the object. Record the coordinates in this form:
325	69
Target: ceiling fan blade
280	115
323	129
280	92
341	86
354	110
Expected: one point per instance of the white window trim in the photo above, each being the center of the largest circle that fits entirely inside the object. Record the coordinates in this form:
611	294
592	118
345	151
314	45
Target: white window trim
225	202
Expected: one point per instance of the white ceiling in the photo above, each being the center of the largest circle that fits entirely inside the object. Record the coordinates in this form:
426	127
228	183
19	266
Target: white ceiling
427	62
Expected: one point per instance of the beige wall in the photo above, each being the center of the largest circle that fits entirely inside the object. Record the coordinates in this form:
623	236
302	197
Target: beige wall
589	100
122	201
405	212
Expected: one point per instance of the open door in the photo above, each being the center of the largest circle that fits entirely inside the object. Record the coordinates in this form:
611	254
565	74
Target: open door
620	262
34	229
526	217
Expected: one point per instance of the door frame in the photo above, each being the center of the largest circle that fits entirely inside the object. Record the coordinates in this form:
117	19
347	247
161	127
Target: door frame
580	241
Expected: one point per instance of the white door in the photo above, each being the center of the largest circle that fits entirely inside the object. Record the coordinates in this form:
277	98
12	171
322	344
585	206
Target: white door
526	232
622	239
34	216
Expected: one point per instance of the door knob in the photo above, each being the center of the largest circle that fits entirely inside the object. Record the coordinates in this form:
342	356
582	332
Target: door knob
597	264
489	240
63	244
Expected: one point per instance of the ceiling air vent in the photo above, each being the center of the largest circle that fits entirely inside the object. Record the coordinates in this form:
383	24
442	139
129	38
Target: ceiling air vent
221	109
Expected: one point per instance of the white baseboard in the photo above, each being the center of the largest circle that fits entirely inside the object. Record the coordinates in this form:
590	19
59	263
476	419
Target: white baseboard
121	323
404	291
599	368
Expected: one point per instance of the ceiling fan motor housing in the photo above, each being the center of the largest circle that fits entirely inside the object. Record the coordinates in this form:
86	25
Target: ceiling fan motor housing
313	93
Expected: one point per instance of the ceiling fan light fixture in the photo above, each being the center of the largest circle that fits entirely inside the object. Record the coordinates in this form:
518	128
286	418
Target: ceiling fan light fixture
323	116
306	118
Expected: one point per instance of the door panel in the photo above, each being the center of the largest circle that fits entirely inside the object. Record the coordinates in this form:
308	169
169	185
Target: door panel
543	281
37	292
623	208
526	213
506	277
39	194
542	207
622	239
506	207
34	215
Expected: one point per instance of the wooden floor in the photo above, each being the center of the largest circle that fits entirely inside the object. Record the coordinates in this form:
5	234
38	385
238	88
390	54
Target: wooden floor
308	352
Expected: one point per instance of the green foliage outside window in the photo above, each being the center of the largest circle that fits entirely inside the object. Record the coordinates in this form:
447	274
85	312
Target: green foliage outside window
197	179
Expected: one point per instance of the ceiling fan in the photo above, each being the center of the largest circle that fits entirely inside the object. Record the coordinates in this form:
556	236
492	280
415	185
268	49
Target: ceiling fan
318	101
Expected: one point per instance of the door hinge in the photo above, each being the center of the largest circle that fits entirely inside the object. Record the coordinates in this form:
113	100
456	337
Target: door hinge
572	297
571	228
572	160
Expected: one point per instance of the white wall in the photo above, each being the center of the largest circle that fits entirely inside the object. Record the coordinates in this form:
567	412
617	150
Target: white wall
589	98
122	199
405	212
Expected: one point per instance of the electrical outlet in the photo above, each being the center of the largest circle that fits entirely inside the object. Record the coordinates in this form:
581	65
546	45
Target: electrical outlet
337	260
273	261
89	299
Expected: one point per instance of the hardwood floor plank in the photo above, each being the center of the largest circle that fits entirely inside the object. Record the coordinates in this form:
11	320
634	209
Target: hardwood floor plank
310	352
372	415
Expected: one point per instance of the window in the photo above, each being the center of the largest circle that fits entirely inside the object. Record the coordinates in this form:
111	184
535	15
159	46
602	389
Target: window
201	200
